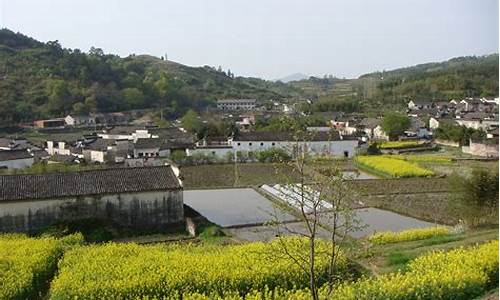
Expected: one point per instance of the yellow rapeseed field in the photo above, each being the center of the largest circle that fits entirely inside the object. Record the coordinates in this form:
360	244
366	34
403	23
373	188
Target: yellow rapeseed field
392	166
118	271
388	237
25	263
399	144
459	274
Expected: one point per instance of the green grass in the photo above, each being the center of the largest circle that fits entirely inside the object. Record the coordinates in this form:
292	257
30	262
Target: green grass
399	258
392	257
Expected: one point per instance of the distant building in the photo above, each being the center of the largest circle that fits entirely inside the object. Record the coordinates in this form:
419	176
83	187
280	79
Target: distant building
74	120
416	105
236	104
131	197
152	147
15	159
316	143
51	123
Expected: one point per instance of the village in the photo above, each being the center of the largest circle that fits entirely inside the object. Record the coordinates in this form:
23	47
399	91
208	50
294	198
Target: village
76	139
235	150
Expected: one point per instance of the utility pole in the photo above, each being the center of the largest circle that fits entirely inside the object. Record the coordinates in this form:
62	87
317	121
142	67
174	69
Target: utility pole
236	173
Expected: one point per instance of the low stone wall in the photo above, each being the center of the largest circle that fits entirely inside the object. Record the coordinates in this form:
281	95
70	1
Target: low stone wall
483	150
447	143
138	210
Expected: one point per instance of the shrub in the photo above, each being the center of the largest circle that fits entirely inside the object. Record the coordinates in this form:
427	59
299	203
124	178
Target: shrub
388	237
273	155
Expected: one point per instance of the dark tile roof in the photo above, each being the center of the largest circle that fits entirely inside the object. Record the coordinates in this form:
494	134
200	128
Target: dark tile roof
60	158
14	154
289	136
100	144
148	143
86	183
370	122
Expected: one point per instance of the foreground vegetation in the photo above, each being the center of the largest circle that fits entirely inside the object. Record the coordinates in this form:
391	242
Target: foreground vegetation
388	237
131	271
26	264
433	267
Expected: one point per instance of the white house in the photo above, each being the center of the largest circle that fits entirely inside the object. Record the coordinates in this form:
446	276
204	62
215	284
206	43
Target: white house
151	147
58	147
478	121
74	120
316	143
236	104
15	159
126	133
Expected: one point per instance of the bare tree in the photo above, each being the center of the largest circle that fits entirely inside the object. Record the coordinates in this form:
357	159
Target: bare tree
322	199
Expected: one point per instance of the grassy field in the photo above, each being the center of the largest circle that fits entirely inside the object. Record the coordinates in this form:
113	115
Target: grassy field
387	258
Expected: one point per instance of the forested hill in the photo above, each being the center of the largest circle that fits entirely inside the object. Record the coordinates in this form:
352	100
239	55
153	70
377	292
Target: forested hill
40	80
470	76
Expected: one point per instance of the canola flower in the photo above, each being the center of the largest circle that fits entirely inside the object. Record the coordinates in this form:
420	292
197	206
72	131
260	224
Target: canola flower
392	166
119	271
424	158
459	274
388	237
25	263
399	144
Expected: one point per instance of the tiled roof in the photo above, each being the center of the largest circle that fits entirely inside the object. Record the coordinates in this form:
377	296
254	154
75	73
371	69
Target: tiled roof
148	143
86	183
289	136
13	154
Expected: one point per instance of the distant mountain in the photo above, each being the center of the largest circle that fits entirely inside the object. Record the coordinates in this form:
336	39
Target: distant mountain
293	77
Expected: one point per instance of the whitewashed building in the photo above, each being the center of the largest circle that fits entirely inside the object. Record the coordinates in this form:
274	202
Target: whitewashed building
315	143
15	159
74	120
236	104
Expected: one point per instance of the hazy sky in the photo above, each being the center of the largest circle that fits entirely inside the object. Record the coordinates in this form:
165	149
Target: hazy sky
267	38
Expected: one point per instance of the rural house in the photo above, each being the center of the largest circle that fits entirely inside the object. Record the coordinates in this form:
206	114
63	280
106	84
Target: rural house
236	104
149	197
73	120
316	143
15	159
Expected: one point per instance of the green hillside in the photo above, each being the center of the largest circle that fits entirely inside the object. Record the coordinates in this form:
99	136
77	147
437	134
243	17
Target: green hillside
41	80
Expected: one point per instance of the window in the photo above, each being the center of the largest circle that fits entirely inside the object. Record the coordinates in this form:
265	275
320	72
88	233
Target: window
262	144
249	144
273	144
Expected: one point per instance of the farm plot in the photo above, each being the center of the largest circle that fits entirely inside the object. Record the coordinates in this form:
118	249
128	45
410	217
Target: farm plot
27	263
392	167
129	271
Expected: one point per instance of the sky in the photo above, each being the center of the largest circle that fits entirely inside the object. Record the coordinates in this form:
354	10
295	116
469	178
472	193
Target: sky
267	38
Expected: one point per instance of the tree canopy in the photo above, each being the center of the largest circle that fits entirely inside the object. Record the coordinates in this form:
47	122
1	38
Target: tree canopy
395	124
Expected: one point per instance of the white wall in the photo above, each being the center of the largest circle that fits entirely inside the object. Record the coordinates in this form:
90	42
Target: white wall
17	163
334	148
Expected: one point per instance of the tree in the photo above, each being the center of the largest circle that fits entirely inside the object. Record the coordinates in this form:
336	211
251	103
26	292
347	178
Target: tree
191	122
322	197
395	124
133	98
475	197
